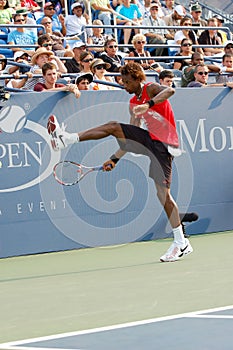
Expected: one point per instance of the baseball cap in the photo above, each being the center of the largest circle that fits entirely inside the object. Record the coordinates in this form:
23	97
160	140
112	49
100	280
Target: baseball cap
196	8
153	4
228	43
49	4
79	44
180	10
76	4
22	11
219	18
82	76
19	54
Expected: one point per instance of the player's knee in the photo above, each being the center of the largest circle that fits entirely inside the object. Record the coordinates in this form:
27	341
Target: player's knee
163	194
113	127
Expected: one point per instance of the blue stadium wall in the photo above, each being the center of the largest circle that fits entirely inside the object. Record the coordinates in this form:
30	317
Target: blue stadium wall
39	215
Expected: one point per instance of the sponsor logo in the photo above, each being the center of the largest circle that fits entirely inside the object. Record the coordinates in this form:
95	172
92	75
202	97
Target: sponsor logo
19	150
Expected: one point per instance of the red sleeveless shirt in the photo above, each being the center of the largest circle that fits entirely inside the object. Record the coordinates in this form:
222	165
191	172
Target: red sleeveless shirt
159	119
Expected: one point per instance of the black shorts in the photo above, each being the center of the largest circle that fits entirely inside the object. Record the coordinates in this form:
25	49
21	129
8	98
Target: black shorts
138	141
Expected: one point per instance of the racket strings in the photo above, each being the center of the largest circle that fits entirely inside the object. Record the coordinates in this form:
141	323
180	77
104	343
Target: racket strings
68	173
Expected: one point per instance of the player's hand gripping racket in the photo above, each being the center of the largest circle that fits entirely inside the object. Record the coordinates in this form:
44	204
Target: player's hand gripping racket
69	173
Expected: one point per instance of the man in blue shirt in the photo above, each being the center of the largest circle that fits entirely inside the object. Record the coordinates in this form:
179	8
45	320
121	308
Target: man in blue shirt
22	36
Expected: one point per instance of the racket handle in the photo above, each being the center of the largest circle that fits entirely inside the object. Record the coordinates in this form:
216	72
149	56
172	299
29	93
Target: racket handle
102	168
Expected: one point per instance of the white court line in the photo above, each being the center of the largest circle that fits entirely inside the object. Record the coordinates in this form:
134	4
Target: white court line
16	344
32	348
212	316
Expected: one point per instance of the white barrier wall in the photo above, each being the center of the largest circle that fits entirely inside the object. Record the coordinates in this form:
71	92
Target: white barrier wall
39	215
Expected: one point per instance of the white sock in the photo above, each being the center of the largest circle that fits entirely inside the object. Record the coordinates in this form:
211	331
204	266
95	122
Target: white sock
71	138
179	236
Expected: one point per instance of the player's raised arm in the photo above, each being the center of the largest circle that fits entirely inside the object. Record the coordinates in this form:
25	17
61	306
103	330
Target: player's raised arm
157	94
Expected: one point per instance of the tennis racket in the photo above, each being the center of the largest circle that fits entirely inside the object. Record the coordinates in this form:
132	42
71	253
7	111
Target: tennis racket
69	173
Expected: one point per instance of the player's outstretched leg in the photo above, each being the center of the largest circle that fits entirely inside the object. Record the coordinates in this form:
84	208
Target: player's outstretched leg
60	139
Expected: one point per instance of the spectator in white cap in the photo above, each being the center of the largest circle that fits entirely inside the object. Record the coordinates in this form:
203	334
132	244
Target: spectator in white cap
19	57
73	64
76	23
174	18
220	22
22	58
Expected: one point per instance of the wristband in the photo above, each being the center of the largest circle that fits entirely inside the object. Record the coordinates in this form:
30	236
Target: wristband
225	84
150	103
114	159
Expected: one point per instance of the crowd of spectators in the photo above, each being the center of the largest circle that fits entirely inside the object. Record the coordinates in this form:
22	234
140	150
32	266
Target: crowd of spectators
39	36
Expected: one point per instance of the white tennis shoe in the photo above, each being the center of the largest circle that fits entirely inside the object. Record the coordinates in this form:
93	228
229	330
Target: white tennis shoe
176	252
60	138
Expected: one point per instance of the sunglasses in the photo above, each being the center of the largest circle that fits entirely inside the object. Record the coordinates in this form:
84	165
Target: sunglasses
20	20
141	42
188	44
46	23
112	46
154	9
50	8
87	60
230	46
100	66
203	73
47	44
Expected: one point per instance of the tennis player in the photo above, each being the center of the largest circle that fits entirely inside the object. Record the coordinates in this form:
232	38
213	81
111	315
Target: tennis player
160	143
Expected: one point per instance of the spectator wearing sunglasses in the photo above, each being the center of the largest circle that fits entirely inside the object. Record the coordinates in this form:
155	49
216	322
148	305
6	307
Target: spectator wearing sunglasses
60	46
111	55
188	72
139	42
73	65
185	50
19	57
155	36
29	19
99	70
86	59
45	42
186	33
201	73
58	21
22	36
